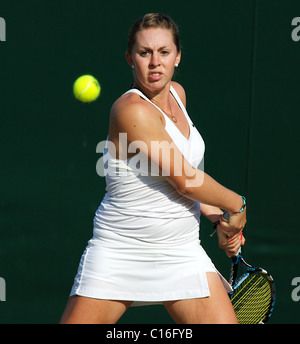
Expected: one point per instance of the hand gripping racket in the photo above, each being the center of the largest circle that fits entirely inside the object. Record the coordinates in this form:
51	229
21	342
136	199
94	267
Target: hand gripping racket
253	295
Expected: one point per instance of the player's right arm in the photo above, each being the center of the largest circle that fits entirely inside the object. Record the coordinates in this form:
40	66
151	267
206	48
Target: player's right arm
143	123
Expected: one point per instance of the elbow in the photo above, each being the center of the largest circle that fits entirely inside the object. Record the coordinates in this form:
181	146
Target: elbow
188	186
180	186
187	189
184	191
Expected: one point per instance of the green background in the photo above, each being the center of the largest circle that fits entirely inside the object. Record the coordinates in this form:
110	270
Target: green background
240	70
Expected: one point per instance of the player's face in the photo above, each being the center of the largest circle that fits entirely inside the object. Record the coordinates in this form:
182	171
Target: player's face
153	56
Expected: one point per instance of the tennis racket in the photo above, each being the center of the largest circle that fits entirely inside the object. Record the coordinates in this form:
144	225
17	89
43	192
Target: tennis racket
253	295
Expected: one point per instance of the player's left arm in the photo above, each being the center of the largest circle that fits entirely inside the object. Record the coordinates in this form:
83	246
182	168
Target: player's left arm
211	212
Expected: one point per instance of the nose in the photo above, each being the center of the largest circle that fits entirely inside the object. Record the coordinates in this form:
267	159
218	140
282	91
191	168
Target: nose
155	60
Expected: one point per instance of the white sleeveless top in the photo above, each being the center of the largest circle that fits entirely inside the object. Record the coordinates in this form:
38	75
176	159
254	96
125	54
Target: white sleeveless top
146	207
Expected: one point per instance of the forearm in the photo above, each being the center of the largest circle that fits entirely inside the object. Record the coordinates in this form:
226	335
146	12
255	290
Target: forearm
210	212
209	192
206	190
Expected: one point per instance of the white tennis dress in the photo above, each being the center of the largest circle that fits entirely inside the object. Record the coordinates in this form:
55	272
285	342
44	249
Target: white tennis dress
145	246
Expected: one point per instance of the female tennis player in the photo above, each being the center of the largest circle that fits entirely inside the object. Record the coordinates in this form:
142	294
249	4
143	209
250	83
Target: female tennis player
145	247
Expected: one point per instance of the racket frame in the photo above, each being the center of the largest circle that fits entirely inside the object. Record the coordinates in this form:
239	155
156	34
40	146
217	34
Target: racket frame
235	283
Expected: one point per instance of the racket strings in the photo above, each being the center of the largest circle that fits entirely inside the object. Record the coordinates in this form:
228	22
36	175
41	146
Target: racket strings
252	298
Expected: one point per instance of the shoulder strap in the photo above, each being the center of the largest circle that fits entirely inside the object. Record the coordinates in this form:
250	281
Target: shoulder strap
141	94
177	98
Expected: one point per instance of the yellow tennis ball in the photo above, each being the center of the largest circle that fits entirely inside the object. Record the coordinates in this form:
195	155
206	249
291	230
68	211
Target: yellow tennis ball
86	88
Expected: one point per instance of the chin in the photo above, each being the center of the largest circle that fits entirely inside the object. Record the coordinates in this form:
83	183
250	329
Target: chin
157	86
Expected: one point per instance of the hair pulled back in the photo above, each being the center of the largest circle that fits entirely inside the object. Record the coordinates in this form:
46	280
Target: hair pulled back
153	20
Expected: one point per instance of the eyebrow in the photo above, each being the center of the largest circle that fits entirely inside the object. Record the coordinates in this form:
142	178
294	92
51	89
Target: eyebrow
148	48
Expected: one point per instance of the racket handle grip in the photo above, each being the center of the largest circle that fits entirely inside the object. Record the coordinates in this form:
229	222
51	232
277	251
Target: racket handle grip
238	253
226	216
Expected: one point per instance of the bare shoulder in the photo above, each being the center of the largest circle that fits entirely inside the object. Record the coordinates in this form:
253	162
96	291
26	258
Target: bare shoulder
180	91
132	115
127	99
132	107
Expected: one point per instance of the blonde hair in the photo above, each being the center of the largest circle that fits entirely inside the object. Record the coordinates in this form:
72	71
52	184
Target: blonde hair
156	20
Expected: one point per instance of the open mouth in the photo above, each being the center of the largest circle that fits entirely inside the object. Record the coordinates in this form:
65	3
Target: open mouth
155	76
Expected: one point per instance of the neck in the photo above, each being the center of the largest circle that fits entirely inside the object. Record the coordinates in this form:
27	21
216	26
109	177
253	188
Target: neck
161	99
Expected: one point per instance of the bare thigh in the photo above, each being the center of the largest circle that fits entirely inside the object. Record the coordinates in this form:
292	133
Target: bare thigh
215	309
85	310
